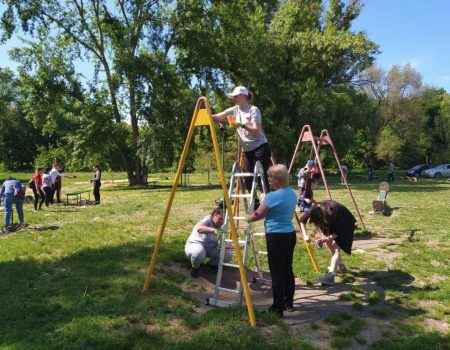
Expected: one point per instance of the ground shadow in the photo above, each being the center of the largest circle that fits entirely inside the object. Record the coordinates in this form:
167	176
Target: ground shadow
44	228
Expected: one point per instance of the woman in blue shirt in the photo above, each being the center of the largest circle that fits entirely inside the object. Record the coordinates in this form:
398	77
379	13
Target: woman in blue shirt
7	194
278	209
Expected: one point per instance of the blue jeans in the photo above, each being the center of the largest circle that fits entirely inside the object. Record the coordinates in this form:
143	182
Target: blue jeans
9	200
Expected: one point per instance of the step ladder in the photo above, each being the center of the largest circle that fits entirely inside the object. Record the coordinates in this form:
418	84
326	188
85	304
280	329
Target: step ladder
245	230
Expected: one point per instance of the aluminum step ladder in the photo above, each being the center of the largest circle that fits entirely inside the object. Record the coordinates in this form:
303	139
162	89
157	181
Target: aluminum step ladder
245	230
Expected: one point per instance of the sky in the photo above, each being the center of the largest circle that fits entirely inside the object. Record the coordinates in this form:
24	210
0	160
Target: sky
407	31
410	31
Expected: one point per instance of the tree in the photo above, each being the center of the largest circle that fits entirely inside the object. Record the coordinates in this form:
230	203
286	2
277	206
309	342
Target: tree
292	54
399	97
128	44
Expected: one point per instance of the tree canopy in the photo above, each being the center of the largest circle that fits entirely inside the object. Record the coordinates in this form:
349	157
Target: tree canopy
148	61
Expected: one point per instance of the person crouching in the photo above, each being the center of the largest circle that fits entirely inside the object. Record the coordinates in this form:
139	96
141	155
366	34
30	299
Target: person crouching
203	242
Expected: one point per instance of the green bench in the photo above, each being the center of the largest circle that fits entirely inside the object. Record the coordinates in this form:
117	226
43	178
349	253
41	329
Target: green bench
78	193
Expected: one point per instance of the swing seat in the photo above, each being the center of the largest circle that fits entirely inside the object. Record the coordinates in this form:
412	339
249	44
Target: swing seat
379	205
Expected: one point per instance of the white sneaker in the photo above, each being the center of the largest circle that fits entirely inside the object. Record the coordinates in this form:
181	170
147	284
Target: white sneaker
327	279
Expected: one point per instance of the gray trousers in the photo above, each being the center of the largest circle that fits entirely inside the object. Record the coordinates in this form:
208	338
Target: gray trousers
197	252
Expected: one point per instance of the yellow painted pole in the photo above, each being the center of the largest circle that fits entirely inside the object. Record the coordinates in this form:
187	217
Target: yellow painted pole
172	195
306	240
234	235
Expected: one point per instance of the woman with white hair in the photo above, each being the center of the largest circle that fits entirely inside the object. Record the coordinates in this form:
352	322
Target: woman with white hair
246	118
278	209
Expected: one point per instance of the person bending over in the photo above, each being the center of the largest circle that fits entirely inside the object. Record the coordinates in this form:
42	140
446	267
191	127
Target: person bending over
203	242
278	209
246	118
9	188
337	224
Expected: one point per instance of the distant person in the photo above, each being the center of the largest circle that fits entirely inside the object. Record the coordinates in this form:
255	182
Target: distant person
337	224
306	199
370	172
391	169
203	242
96	182
304	175
47	186
57	174
37	189
246	118
344	174
278	209
10	196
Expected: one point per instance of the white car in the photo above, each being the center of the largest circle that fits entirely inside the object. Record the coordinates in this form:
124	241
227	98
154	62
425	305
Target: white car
439	171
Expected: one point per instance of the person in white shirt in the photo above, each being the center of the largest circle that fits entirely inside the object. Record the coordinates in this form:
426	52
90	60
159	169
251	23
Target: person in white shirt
56	176
246	118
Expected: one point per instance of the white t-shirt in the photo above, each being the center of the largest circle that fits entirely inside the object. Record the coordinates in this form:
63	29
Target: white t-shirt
46	181
54	174
208	240
246	115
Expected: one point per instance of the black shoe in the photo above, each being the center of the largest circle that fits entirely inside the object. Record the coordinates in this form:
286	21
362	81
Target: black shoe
194	272
277	312
212	267
289	308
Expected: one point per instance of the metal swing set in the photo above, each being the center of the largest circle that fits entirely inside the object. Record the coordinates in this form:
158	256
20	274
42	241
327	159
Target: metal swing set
202	117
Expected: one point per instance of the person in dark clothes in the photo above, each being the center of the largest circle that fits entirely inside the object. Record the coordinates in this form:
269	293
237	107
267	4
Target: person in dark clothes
337	224
96	181
306	199
37	190
277	209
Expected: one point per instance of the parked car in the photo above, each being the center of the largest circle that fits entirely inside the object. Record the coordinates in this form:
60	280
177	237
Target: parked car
439	171
416	171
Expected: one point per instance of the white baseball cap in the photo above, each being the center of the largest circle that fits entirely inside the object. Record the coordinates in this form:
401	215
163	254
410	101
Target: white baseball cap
238	90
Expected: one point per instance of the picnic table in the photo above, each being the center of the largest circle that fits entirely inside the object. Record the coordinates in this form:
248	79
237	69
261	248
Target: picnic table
78	193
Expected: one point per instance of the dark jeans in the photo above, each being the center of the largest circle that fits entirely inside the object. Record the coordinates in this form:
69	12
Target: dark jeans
280	249
58	192
391	177
38	194
52	194
261	153
96	191
48	195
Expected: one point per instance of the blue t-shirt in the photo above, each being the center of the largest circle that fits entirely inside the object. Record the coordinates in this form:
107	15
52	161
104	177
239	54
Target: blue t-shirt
281	204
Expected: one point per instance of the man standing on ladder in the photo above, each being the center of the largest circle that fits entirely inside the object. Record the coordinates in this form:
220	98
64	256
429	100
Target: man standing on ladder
246	118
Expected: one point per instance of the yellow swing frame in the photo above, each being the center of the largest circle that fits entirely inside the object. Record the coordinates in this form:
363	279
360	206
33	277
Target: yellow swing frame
203	117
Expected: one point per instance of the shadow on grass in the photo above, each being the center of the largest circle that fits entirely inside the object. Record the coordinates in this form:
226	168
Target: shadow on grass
44	228
152	188
92	299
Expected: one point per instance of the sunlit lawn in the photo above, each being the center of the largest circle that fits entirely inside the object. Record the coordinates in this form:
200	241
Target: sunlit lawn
73	278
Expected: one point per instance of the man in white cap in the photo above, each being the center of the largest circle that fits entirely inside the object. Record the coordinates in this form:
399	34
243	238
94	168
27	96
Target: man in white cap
246	118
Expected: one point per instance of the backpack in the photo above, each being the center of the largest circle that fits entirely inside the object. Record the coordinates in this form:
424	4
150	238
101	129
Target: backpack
19	194
31	184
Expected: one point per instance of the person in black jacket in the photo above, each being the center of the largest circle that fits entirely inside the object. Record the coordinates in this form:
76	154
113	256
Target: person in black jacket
337	224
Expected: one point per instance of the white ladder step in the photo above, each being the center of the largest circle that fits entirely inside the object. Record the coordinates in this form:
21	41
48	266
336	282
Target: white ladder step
241	196
231	265
244	174
259	234
239	218
231	241
236	291
261	252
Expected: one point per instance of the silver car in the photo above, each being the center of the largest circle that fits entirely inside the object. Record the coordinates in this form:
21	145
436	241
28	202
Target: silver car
439	171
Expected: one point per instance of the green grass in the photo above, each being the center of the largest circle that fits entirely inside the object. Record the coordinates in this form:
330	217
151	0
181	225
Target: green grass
73	278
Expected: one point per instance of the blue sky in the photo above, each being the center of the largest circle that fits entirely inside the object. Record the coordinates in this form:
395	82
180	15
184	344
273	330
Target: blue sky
407	31
411	31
